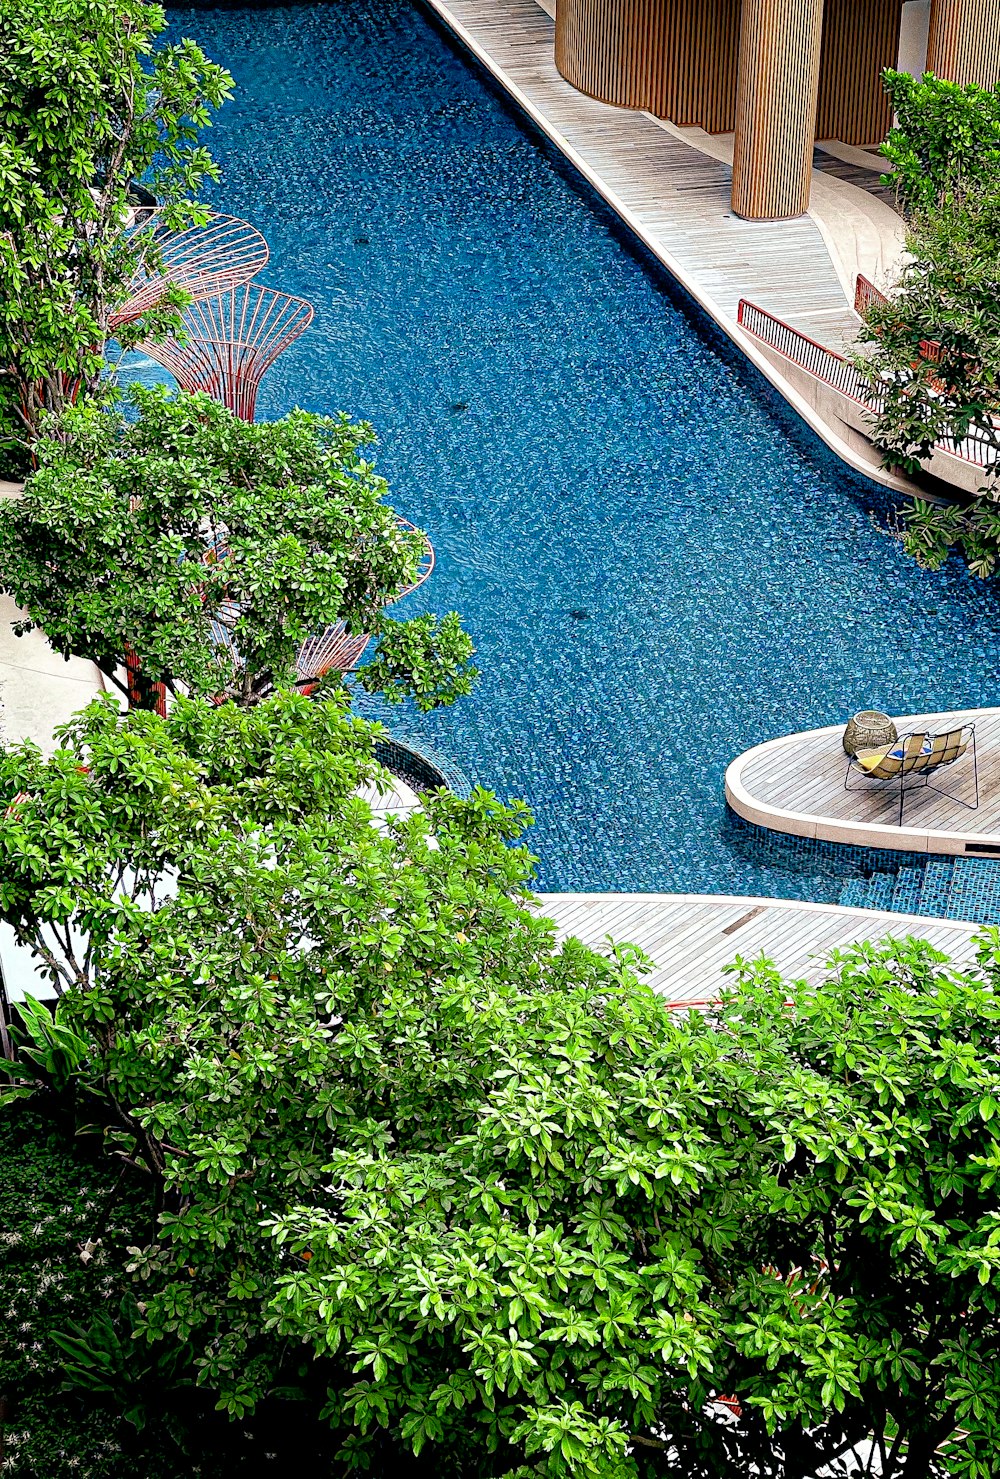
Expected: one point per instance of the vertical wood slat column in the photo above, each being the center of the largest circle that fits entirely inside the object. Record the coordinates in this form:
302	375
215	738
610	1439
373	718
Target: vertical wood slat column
673	58
860	39
776	107
964	41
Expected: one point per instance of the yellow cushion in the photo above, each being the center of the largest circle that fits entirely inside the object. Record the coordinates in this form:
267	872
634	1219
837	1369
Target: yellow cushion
870	760
918	752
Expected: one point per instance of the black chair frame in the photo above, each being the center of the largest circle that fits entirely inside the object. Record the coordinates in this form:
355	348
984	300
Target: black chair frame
919	779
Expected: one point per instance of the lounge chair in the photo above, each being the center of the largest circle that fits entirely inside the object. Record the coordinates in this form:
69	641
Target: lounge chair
911	761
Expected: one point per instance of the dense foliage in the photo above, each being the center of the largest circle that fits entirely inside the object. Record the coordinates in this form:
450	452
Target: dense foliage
212	548
55	1192
945	139
478	1198
88	106
82	1399
932	353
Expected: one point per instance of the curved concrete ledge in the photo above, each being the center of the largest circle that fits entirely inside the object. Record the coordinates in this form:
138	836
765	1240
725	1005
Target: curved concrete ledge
691	938
795	785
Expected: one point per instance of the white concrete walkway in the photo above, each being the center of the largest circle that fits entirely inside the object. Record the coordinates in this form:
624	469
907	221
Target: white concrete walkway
38	689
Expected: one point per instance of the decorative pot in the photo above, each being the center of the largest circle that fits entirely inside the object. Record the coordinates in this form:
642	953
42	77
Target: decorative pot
867	730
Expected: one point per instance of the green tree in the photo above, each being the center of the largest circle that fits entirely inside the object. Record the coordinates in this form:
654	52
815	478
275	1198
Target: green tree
945	140
113	548
483	1199
931	352
91	104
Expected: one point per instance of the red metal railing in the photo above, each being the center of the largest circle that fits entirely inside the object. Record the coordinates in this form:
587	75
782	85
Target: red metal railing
865	294
834	370
828	366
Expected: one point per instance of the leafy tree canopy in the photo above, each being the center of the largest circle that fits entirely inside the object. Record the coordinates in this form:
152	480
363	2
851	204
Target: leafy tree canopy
932	353
115	547
946	138
483	1199
88	105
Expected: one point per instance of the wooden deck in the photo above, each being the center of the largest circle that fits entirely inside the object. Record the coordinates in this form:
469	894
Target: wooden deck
691	937
868	179
796	784
673	195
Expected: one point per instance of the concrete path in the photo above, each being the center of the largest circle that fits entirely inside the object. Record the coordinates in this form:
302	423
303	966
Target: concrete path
38	689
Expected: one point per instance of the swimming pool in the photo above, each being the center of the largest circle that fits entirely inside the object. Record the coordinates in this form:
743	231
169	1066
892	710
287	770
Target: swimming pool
659	564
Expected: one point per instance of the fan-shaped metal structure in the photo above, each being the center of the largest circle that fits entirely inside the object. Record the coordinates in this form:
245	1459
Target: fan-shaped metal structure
334	649
426	564
231	340
204	260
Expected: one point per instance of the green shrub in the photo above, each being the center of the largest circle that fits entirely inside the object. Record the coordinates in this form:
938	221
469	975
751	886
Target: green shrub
481	1200
55	1192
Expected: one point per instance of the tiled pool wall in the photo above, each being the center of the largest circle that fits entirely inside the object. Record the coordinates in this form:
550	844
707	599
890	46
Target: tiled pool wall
880	878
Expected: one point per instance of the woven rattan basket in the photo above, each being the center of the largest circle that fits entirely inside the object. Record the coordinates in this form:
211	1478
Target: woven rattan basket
868	729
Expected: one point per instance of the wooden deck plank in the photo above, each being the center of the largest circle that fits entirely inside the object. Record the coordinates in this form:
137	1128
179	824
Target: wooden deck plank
683	934
798	780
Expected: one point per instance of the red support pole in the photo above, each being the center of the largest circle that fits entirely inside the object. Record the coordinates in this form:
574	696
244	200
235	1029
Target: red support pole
139	691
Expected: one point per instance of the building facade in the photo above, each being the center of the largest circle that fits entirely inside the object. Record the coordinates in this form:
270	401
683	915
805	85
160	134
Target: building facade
777	74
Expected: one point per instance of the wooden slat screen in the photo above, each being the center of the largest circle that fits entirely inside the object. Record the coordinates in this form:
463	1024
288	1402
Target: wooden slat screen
673	58
776	107
860	38
964	41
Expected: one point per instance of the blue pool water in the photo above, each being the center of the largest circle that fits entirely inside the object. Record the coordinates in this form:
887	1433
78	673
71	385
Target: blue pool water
659	564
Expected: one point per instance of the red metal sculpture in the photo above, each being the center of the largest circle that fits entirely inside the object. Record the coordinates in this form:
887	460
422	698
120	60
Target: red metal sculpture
223	254
231	340
336	650
140	694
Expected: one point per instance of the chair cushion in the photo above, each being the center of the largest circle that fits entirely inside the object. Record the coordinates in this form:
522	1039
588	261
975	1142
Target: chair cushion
917	752
887	760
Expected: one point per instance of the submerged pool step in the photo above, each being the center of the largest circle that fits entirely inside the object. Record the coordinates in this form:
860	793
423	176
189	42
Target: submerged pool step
940	888
974	892
935	889
869	893
907	889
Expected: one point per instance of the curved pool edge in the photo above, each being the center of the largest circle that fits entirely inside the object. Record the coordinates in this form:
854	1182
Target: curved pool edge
799	752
